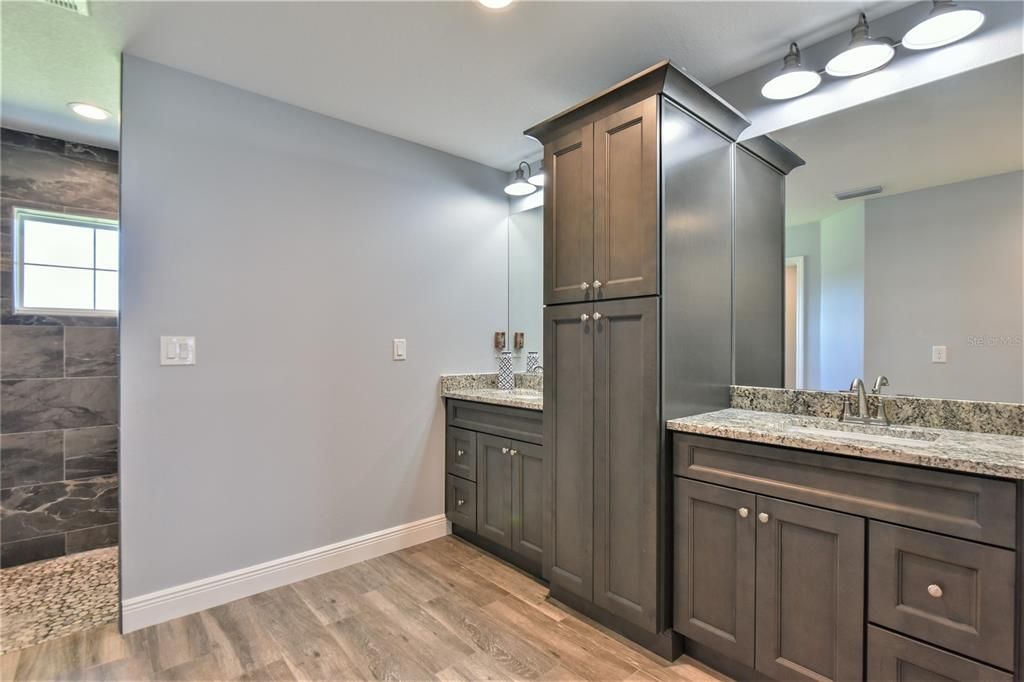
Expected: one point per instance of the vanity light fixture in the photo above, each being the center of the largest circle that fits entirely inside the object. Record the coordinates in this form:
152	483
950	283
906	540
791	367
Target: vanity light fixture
495	4
519	187
864	54
946	23
795	80
89	111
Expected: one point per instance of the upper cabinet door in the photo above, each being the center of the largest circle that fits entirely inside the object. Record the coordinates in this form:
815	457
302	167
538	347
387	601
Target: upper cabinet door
626	202
809	593
569	217
627	449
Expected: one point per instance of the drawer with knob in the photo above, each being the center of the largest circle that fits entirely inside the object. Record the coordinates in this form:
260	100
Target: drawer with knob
460	502
953	593
460	453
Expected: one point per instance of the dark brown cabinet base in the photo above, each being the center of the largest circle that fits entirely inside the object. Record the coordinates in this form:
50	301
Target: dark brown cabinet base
495	471
825	585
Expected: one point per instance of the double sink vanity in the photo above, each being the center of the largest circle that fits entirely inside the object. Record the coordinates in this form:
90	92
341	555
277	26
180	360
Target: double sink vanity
688	470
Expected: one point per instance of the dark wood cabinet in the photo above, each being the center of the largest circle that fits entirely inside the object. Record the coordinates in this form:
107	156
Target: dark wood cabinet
494	489
603	433
810	592
528	501
626	233
569	439
569	217
627	444
714	567
460	453
893	658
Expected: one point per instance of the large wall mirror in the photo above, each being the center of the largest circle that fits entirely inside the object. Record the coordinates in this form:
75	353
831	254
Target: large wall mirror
526	284
903	244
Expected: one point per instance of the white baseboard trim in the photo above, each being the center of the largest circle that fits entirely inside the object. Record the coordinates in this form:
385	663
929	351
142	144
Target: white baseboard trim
174	602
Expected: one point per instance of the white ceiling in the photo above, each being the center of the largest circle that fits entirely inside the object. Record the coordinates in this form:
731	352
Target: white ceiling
967	126
450	75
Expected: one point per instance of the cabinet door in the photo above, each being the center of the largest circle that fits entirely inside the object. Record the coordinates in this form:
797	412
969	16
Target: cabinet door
714	568
528	501
569	217
894	658
810	592
494	489
568	440
626	202
627	449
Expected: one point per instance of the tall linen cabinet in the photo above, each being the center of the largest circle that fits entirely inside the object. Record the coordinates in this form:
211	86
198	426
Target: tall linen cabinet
646	196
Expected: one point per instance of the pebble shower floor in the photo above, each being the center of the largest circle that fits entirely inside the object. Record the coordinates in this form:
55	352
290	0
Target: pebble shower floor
56	597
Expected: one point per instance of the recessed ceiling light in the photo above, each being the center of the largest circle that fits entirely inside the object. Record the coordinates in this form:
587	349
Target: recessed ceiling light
947	23
794	80
89	111
495	4
864	54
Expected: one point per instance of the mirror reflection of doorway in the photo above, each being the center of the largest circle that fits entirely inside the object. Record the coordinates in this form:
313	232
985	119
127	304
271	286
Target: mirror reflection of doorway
794	325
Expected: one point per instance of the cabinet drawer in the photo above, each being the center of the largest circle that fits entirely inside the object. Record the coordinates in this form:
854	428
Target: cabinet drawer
460	502
509	422
949	592
460	453
892	658
971	507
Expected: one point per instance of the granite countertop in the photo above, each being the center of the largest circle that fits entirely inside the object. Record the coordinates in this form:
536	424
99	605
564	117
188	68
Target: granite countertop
976	453
483	388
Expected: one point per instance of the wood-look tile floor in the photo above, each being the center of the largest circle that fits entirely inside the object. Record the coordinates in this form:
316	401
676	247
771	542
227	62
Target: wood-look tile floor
443	610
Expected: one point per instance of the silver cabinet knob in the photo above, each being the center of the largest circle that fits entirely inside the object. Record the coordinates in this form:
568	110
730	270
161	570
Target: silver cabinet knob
597	316
597	284
584	317
762	517
459	503
584	286
504	451
744	512
513	452
934	590
460	453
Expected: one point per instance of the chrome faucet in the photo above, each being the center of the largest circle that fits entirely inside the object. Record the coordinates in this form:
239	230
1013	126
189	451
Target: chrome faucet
863	415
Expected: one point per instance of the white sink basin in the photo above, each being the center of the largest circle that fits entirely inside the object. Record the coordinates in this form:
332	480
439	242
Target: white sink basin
886	435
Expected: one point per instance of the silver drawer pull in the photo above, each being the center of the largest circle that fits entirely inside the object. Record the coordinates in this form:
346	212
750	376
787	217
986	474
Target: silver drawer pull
597	316
744	512
934	590
459	503
584	286
762	517
460	453
504	451
513	452
597	284
584	317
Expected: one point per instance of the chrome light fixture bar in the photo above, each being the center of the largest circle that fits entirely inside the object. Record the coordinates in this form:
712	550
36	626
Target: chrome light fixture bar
946	23
520	187
795	79
864	55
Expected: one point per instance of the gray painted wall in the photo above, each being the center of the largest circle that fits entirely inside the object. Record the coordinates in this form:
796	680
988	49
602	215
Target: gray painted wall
842	298
943	267
294	247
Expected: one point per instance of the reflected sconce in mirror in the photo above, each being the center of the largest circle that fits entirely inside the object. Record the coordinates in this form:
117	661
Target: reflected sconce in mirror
499	340
525	183
946	23
519	340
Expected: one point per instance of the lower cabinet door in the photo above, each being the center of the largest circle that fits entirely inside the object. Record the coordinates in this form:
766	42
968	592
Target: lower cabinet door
893	658
528	501
810	592
714	568
494	489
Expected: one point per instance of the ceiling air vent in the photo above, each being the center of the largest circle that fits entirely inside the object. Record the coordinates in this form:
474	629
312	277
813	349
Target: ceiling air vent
76	6
857	193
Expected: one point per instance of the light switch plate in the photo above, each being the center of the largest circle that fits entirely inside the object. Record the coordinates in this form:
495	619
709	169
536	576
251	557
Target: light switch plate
398	349
177	350
939	354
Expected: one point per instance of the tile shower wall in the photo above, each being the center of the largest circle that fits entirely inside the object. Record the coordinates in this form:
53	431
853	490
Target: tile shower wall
58	374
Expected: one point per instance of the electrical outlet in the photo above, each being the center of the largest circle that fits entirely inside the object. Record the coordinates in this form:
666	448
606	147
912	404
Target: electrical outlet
939	354
398	349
